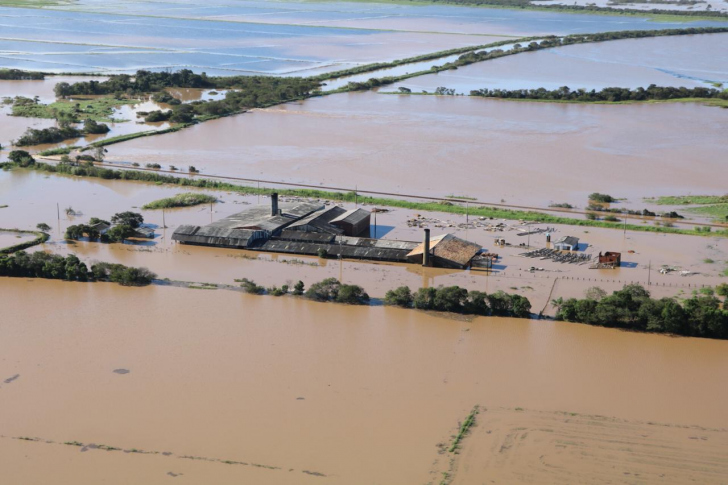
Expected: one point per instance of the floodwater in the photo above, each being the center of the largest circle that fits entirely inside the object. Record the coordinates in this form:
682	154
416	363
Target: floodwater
100	198
9	238
126	119
360	395
528	153
280	38
691	61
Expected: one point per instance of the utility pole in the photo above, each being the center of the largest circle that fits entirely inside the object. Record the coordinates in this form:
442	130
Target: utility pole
649	273
164	223
58	209
356	196
625	225
375	224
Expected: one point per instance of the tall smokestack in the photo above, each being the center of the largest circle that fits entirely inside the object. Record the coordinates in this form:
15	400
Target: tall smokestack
274	204
426	251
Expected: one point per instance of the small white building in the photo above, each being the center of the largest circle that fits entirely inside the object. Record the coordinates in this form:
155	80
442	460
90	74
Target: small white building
567	243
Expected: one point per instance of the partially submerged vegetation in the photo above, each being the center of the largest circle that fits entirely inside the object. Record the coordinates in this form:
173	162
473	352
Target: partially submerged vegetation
715	206
547	42
480	210
18	75
606	95
70	268
40	237
188	199
74	111
632	308
455	299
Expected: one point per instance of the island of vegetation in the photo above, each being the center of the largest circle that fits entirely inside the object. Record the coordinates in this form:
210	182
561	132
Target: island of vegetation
606	95
187	199
450	299
70	268
632	308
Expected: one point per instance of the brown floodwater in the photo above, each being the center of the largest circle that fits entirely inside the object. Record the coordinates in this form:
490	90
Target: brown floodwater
530	153
643	253
664	61
361	395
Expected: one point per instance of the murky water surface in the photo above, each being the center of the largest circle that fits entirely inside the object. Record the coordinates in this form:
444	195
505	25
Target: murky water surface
361	395
692	61
532	153
282	38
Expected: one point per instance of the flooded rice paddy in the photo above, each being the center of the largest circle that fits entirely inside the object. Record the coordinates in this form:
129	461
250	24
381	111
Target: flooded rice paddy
529	153
229	38
692	61
234	388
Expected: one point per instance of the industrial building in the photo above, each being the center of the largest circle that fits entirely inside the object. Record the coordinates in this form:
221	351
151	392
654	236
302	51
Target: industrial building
309	228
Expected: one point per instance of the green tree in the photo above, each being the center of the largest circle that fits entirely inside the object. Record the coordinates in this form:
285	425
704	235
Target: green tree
131	219
401	296
43	227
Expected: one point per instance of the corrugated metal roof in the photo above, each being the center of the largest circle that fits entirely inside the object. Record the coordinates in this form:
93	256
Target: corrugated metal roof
450	248
353	216
319	221
349	252
321	237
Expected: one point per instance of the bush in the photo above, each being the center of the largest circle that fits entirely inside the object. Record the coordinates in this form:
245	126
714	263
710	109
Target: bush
249	286
93	128
21	157
602	198
119	233
298	288
326	290
401	297
322	253
352	295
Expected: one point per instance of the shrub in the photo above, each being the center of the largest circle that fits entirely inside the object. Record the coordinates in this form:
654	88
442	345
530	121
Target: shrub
119	233
401	296
602	198
21	157
298	288
326	290
352	295
249	286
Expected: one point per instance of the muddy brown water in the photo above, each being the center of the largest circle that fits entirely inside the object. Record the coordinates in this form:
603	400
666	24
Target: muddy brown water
663	61
530	153
218	375
103	198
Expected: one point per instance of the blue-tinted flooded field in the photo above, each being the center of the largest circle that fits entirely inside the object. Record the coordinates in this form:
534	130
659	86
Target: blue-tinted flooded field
261	37
690	61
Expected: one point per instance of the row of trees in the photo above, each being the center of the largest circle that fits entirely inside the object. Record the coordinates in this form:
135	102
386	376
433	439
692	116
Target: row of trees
564	93
591	7
18	75
632	308
452	299
58	134
330	289
455	299
54	266
251	91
